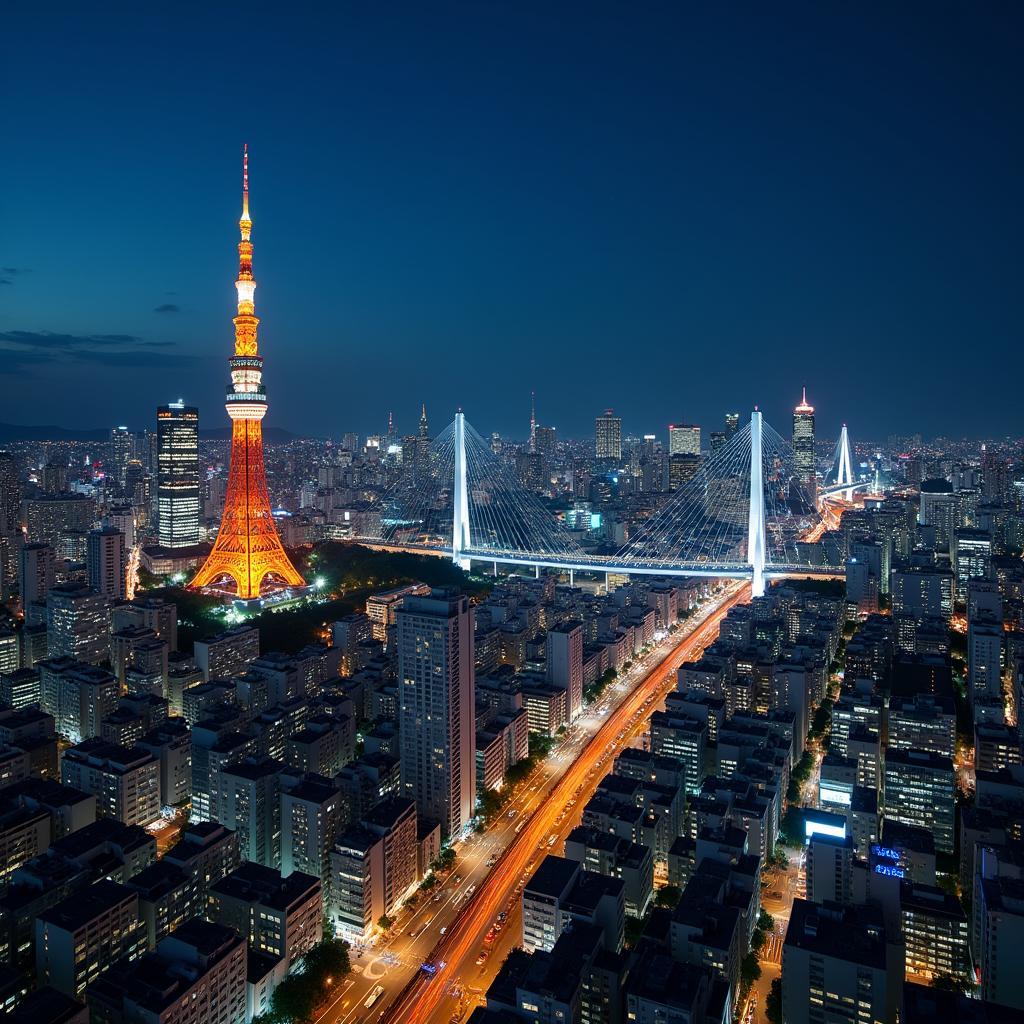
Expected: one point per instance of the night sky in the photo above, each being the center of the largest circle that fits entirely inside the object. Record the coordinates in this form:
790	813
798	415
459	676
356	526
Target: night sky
648	207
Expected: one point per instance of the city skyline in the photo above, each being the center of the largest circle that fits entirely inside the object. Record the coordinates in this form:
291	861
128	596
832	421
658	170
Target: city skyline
660	216
564	593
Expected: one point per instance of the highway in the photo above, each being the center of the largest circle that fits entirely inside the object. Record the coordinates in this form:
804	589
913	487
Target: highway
458	981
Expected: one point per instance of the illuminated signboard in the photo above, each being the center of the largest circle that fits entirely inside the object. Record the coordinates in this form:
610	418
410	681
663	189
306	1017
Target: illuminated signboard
889	870
824	828
886	852
834	796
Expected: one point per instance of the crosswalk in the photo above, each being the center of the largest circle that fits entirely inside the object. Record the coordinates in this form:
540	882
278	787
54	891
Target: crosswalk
772	950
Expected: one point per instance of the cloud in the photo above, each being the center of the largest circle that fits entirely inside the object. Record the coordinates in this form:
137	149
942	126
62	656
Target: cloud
54	340
167	307
14	271
21	350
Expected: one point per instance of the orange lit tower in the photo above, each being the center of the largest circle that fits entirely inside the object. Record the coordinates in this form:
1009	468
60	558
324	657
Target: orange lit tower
248	549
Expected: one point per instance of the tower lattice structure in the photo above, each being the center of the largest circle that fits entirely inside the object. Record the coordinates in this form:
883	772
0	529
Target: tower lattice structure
248	549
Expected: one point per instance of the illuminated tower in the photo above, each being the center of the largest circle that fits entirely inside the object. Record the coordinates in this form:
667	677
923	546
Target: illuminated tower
803	445
248	550
533	423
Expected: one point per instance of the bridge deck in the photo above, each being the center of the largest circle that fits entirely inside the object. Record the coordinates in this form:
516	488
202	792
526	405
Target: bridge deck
610	563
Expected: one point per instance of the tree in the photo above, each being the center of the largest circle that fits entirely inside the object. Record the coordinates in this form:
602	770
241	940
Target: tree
294	999
668	896
765	921
750	971
328	959
444	861
773	1003
947	983
299	994
491	802
757	941
384	923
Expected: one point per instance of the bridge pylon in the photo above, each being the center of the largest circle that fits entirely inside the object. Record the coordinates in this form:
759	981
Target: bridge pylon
460	518
755	523
845	473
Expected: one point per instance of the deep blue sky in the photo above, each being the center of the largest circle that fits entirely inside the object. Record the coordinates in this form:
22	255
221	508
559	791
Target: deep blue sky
669	211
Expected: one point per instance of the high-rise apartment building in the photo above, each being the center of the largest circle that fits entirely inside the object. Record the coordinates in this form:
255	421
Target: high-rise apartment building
436	720
837	965
282	917
83	935
940	509
177	487
196	973
608	436
51	517
984	657
77	622
37	572
564	664
125	781
105	562
246	797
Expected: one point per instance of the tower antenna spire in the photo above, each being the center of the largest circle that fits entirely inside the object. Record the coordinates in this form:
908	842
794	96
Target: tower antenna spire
245	181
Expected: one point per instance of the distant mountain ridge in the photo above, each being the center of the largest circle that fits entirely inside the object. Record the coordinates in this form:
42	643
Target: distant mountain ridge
13	432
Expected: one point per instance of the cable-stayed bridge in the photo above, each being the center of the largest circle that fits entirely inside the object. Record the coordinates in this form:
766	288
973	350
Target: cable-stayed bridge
743	514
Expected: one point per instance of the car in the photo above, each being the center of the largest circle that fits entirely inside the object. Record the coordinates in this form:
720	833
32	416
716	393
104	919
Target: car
444	928
502	916
489	937
512	814
481	958
497	926
438	897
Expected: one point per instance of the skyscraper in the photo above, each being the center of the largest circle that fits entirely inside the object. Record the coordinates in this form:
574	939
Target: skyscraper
803	443
732	424
421	452
177	486
683	439
436	720
248	550
10	522
120	452
608	436
545	441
